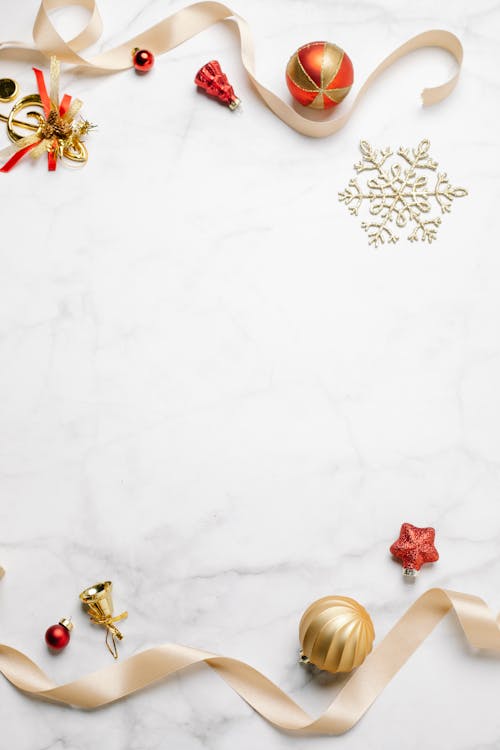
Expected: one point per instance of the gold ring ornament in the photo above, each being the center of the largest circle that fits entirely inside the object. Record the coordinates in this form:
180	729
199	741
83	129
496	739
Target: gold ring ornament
336	634
32	100
9	89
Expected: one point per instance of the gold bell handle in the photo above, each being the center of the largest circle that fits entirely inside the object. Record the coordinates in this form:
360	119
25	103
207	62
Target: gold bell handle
113	634
19	123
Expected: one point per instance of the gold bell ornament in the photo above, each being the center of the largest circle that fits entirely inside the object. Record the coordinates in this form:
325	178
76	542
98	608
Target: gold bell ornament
99	603
336	634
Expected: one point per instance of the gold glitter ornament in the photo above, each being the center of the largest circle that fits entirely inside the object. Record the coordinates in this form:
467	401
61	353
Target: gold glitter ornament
336	634
399	194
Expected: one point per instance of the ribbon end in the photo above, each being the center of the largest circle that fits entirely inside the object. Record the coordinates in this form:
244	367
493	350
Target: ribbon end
428	97
439	93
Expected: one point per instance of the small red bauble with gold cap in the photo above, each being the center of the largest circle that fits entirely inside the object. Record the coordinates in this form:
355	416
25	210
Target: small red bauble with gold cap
319	75
143	60
58	636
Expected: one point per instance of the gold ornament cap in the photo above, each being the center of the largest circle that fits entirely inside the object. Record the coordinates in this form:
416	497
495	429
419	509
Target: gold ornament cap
66	623
336	634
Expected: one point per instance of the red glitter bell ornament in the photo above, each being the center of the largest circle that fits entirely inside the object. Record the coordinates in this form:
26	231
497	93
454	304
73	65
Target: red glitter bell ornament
214	82
58	636
143	60
319	75
415	547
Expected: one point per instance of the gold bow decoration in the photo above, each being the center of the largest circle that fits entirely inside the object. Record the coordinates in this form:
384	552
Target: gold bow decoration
113	634
57	132
481	629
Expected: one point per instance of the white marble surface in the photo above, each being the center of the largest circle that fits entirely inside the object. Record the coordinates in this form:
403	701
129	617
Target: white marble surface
213	392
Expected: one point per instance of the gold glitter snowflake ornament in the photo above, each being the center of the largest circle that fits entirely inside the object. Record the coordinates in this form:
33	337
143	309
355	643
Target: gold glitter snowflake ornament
399	194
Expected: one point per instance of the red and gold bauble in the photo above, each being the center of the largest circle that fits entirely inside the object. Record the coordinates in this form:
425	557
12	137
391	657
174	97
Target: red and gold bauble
319	75
58	636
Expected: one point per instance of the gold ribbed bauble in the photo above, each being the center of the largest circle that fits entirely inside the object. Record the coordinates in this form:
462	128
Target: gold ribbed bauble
336	634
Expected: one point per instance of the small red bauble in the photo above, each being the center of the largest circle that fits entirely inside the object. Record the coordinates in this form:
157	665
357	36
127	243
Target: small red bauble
319	75
143	60
58	636
415	547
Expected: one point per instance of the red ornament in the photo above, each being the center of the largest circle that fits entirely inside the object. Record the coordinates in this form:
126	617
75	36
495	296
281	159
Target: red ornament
143	60
211	79
414	548
58	636
319	75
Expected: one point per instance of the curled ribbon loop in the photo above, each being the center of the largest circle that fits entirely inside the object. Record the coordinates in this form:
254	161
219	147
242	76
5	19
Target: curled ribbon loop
481	630
195	18
113	634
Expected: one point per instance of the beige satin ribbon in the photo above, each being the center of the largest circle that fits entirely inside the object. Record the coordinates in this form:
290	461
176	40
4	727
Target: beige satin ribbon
195	18
481	630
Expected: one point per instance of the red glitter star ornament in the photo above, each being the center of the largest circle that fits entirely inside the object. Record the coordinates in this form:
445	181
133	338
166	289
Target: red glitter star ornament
414	548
